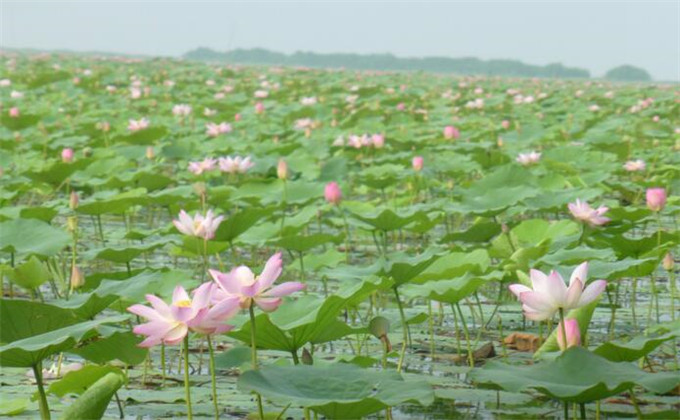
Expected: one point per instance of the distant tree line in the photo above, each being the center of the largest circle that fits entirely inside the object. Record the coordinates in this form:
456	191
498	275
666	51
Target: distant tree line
467	65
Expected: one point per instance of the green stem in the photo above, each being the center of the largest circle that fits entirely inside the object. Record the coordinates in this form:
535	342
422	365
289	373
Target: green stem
404	327
563	328
431	328
296	359
187	386
466	332
213	377
253	345
44	408
638	413
162	364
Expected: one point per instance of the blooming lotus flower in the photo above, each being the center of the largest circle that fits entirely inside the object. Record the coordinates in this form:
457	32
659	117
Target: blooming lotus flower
16	94
584	213
5	82
261	93
197	168
549	293
634	165
14	112
235	165
656	198
135	93
136	125
378	141
451	132
594	108
571	329
242	283
67	155
214	130
527	159
332	193
181	110
259	108
417	163
505	124
169	324
303	123
401	106
203	227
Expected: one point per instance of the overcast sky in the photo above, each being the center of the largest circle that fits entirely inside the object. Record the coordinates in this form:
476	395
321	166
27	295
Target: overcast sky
592	35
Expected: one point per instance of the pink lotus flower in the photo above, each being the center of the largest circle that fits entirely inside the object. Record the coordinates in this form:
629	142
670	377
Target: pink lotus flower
584	213
242	283
135	93
261	93
571	329
235	165
378	141
259	108
401	106
505	124
207	164
5	82
237	117
417	163
549	293
303	123
527	159
656	198
203	227
67	155
16	94
635	165
214	130
14	112
136	125
332	193
169	324
181	110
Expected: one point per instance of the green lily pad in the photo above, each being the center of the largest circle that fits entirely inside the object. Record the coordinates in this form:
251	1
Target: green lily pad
339	391
31	236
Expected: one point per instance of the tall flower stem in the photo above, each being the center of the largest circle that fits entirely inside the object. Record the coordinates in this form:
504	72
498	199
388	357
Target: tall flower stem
347	237
162	364
187	387
44	408
212	377
563	328
466	332
253	344
404	327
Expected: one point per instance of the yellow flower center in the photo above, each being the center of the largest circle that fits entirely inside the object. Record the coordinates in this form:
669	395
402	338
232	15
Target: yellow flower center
183	303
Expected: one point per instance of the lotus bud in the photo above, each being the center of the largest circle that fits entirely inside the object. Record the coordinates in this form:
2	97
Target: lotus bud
656	199
149	152
417	163
72	223
87	151
668	262
237	117
14	112
73	200
67	155
77	278
451	132
307	358
505	124
499	141
259	108
332	193
379	327
573	332
282	170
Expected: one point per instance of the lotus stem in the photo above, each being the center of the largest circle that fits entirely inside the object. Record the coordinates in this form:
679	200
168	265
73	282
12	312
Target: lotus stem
404	327
563	328
187	387
471	360
431	328
213	378
44	408
253	345
347	237
162	364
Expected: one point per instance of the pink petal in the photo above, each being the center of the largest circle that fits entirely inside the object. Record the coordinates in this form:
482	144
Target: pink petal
592	292
573	294
268	304
150	342
517	289
537	301
580	272
176	335
272	271
202	295
159	306
557	289
284	289
155	328
146	312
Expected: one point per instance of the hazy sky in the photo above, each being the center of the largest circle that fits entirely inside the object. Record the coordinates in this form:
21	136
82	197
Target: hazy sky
593	35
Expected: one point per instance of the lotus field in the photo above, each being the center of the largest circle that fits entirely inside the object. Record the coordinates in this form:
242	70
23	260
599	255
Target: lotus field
191	240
